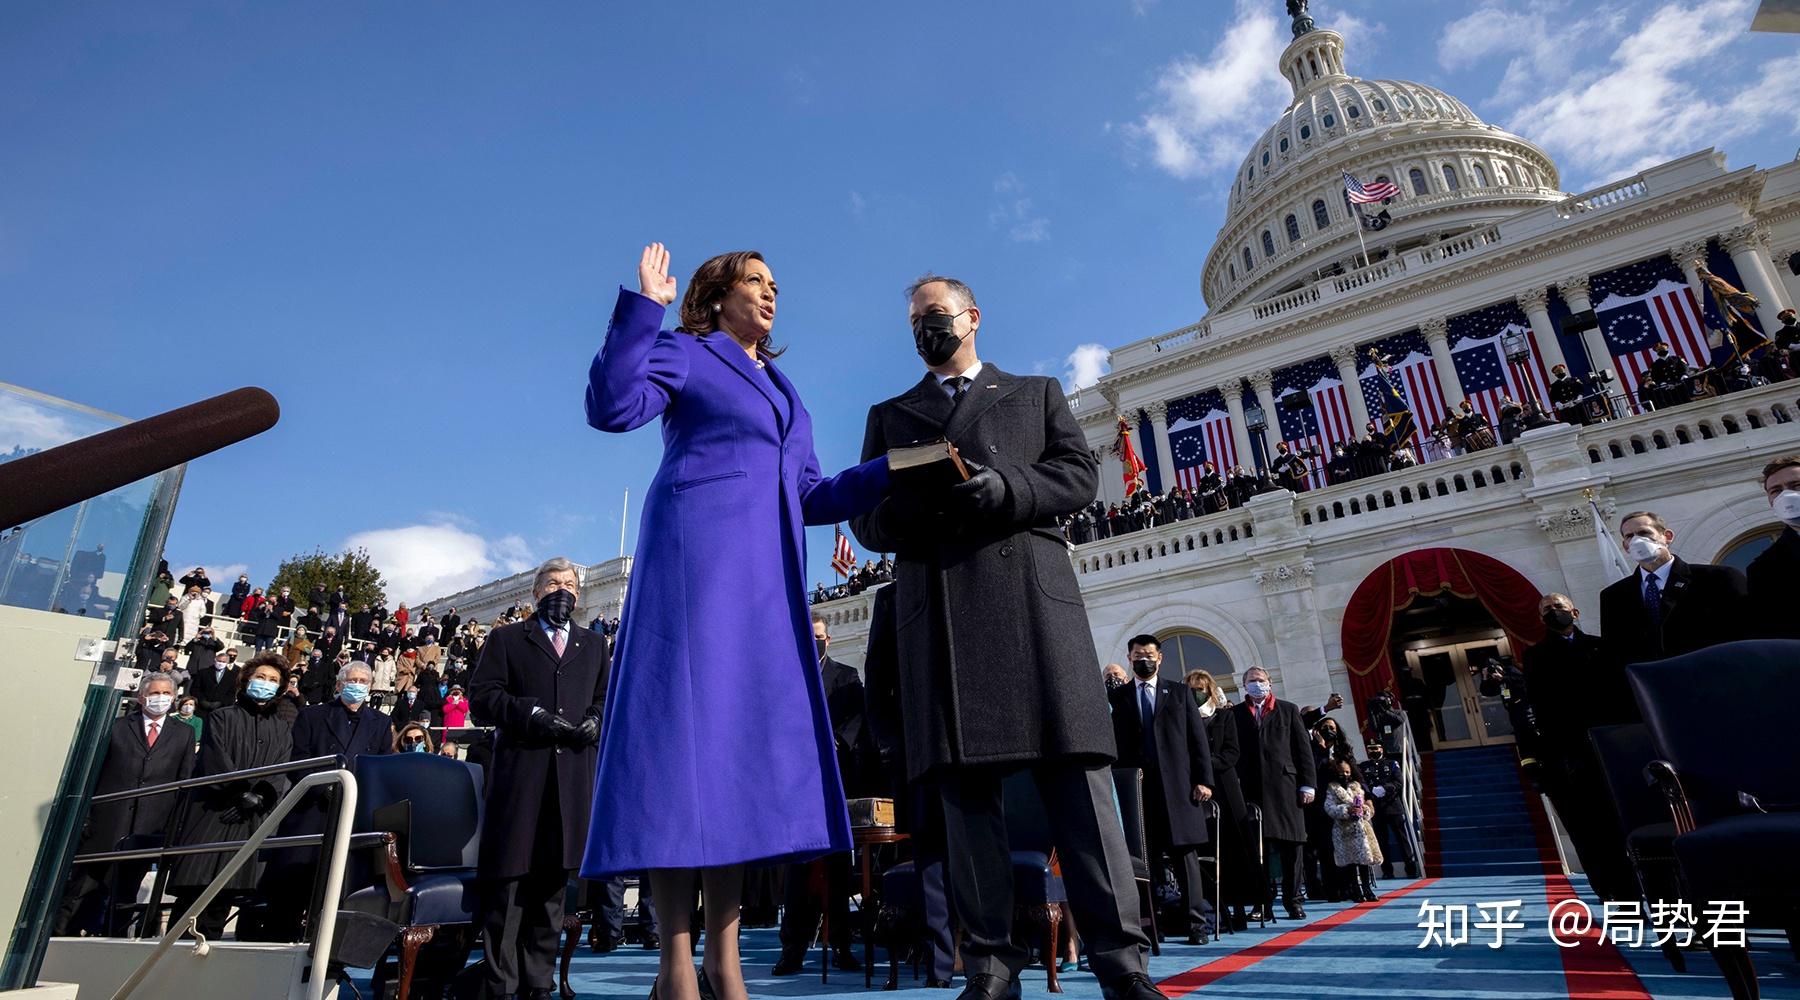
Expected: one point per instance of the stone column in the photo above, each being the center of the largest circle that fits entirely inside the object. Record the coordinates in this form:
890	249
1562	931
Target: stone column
1789	279
1262	382
1437	336
1745	245
1536	304
1165	457
1233	391
1574	291
1344	356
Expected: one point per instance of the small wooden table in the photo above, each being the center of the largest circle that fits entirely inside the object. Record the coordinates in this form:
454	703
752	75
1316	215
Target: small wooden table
866	837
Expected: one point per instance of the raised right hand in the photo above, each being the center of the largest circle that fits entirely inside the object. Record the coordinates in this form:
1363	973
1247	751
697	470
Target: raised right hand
653	274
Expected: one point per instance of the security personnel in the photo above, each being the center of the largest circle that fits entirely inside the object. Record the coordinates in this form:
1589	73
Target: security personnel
1565	396
1388	724
1382	778
1667	373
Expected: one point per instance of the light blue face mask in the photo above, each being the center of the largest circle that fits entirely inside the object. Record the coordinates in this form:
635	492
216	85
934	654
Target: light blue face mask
260	689
355	693
417	748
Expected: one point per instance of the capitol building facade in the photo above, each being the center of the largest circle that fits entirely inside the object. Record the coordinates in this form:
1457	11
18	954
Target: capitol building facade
1404	579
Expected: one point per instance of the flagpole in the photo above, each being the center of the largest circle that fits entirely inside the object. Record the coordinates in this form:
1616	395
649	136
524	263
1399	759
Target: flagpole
1359	236
623	512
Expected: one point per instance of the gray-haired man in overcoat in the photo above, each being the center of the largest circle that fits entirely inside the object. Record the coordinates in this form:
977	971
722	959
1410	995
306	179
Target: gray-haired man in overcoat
997	665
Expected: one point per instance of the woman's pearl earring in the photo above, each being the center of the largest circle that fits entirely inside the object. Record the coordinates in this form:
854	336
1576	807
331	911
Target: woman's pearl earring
716	307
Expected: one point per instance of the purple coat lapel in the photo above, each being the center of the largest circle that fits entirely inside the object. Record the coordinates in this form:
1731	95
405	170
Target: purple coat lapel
734	356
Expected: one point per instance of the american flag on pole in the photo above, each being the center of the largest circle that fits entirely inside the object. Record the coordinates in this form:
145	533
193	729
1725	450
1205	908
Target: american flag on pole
1411	365
1323	422
1644	303
1477	347
842	558
1367	194
1200	432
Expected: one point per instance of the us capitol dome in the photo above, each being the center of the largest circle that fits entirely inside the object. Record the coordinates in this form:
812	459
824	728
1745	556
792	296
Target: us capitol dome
1287	223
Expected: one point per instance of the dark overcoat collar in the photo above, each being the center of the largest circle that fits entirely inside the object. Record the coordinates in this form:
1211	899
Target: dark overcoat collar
929	402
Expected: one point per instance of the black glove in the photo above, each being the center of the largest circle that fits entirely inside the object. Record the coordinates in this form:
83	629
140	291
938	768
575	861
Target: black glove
983	493
587	734
249	802
548	727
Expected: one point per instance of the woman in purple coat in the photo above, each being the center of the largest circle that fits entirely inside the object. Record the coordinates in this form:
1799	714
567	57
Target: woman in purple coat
717	749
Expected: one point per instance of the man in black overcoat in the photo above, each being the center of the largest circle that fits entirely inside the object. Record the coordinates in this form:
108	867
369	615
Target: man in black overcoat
1772	574
1000	659
541	682
1573	683
844	704
134	759
1176	758
216	686
1669	606
1277	773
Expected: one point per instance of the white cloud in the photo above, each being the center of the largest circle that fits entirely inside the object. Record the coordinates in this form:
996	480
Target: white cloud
31	427
1650	100
1084	366
1014	214
422	561
222	575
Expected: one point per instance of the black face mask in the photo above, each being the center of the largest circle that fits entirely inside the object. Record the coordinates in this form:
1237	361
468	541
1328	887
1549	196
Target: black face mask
1558	619
1144	668
934	334
820	645
1114	682
557	606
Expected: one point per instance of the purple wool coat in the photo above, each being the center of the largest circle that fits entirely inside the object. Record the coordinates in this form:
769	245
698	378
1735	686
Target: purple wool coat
717	748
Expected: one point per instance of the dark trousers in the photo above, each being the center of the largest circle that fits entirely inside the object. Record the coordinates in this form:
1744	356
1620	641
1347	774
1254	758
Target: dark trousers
1391	834
609	909
1287	852
1184	859
521	925
800	904
1096	867
94	895
1584	804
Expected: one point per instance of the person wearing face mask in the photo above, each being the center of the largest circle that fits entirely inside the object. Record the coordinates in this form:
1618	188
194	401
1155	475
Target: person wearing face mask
1574	683
541	682
800	907
1383	780
1276	770
718	700
1226	747
1158	727
1772	575
187	712
146	748
1668	372
242	735
980	559
413	738
1115	676
348	727
215	686
1669	606
1565	396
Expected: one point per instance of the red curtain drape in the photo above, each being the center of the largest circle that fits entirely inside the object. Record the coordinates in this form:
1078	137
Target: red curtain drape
1369	617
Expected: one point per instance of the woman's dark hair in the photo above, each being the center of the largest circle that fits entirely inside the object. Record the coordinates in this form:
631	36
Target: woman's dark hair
265	659
707	289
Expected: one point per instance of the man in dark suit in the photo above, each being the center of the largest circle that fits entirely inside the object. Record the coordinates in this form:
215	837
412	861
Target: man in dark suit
147	748
1277	773
1667	373
1158	727
984	559
216	686
202	650
1772	574
345	726
541	682
1573	683
1289	469
1669	606
800	905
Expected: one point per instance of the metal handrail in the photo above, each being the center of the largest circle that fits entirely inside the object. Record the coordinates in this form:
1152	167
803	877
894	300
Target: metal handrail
214	847
219	779
334	882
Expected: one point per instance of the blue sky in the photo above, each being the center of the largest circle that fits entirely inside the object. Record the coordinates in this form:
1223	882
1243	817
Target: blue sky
411	228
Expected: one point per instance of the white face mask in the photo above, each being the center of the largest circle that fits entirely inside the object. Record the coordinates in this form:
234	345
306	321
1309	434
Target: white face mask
1645	550
1787	508
1207	709
157	705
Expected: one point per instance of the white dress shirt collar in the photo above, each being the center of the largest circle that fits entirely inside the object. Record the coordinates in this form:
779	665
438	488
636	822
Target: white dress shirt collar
968	373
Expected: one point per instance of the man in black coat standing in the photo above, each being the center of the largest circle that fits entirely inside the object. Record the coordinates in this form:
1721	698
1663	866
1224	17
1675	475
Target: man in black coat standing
1669	606
994	636
147	748
1773	573
541	682
1158	728
844	705
1573	684
1277	773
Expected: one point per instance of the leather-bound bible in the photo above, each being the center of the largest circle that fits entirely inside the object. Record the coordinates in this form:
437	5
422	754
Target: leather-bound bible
926	467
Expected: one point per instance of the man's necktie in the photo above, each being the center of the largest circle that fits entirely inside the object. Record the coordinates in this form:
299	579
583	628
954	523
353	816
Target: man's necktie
557	641
151	738
958	384
1653	600
1147	712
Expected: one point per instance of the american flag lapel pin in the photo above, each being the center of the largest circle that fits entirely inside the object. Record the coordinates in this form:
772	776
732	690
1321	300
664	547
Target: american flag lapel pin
994	385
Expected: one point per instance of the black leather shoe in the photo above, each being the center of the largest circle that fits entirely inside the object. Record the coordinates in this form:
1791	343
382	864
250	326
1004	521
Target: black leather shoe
1294	911
706	990
986	987
788	965
537	993
846	961
1134	986
1196	937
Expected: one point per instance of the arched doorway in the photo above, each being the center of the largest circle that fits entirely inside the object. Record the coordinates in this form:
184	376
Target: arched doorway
1418	624
1186	649
1748	546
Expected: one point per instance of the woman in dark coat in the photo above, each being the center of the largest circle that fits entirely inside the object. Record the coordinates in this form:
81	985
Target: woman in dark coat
1236	871
242	735
717	749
